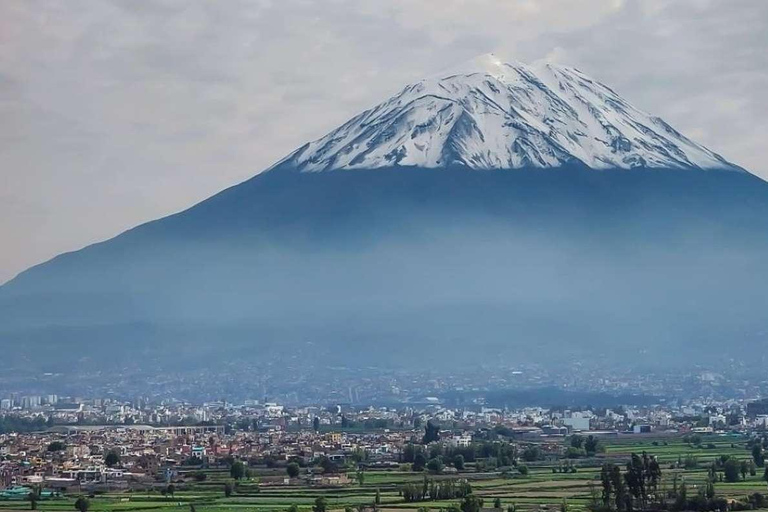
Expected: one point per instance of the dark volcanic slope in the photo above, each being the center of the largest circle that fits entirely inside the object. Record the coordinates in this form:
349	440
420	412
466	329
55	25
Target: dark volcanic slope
393	264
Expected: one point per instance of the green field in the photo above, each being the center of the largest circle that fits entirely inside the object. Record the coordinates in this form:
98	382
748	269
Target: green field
540	487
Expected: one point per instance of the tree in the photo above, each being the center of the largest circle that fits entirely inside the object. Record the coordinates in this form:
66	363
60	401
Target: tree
56	446
591	445
82	504
731	470
329	467
292	469
757	455
619	487
377	499
531	453
316	424
419	461
757	500
607	484
237	470
765	475
435	465
112	458
471	503
497	503
321	505
193	461
409	452
293	508
574	453
431	432
458	462
710	492
33	497
635	478
682	497
523	469
227	489
171	489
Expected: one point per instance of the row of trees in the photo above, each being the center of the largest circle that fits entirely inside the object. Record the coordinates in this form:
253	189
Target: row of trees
431	490
637	488
505	453
758	446
730	469
705	500
634	487
583	447
13	423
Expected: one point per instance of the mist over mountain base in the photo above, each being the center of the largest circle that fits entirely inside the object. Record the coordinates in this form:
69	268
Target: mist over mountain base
407	268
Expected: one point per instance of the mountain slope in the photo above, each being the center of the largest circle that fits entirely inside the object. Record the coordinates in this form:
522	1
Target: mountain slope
570	243
492	115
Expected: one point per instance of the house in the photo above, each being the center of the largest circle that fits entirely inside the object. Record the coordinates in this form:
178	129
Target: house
330	480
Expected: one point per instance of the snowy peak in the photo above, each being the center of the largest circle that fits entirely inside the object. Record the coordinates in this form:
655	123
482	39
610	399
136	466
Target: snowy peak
488	114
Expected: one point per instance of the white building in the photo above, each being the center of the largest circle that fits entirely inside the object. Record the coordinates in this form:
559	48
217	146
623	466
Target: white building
577	421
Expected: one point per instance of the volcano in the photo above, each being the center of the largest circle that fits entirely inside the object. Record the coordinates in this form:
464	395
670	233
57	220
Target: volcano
496	212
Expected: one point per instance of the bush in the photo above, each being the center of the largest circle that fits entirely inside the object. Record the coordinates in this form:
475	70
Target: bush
82	504
575	453
435	465
532	453
321	505
691	462
237	470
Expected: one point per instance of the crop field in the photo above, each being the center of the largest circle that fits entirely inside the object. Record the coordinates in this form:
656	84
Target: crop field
544	487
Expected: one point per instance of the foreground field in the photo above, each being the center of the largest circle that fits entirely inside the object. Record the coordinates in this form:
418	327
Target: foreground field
541	488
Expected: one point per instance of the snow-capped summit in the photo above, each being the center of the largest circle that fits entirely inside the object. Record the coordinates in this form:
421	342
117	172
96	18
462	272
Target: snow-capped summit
488	114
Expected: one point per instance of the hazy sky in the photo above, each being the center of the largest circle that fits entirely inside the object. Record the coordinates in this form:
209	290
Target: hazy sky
117	112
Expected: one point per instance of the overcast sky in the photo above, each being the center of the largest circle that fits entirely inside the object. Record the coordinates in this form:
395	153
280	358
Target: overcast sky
113	113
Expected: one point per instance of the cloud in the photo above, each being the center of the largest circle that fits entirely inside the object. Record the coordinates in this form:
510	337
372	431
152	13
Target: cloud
117	112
